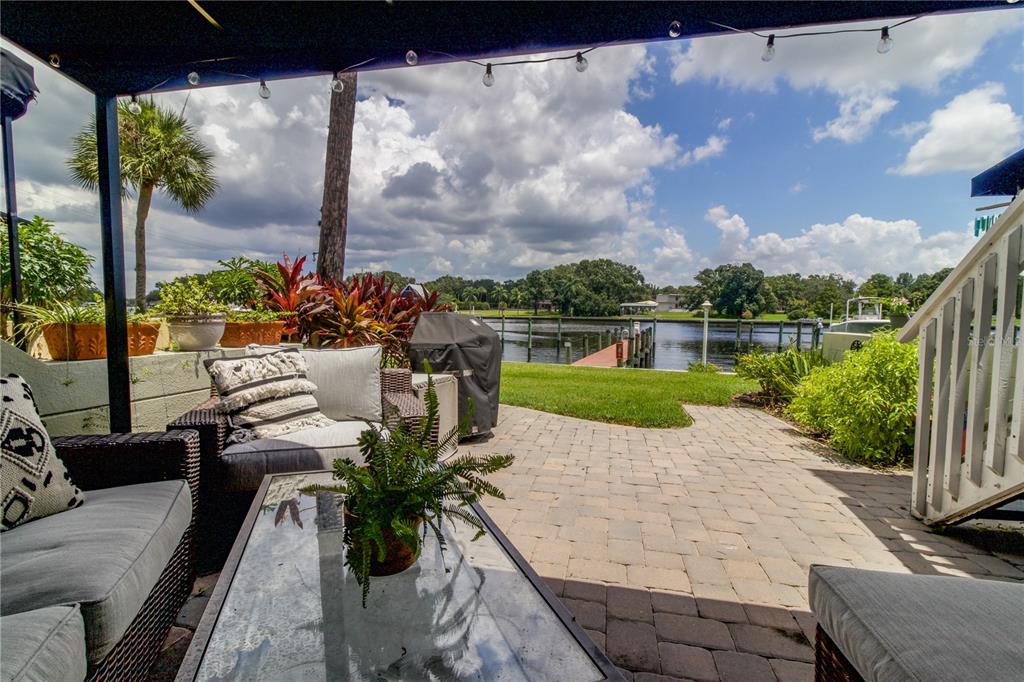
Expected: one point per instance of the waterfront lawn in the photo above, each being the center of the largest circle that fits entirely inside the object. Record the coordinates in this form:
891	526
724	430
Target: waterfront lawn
636	397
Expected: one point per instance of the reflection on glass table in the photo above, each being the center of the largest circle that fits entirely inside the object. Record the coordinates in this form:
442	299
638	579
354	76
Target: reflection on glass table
292	610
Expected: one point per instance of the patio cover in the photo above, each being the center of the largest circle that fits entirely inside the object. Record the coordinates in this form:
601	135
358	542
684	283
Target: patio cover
125	48
1006	178
17	85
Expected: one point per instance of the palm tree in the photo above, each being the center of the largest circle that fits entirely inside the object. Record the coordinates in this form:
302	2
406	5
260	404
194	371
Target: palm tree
159	151
330	261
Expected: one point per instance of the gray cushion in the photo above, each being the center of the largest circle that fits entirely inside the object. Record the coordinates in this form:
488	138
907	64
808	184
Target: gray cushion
245	464
893	626
105	555
45	644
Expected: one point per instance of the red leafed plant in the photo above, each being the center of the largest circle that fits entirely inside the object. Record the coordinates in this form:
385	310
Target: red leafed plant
290	291
362	310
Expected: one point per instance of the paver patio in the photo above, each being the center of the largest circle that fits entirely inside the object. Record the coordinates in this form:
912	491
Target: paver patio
684	552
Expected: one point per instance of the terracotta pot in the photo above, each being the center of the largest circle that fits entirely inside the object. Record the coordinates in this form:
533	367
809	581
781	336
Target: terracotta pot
399	555
271	333
241	334
142	338
196	332
76	341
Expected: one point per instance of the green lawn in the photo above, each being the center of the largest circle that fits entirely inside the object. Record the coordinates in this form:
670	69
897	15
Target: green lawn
489	312
637	397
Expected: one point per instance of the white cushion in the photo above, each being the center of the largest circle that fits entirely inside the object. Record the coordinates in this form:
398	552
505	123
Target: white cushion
347	380
245	464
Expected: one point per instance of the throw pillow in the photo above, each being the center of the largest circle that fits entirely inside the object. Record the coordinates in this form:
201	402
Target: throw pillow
33	481
266	396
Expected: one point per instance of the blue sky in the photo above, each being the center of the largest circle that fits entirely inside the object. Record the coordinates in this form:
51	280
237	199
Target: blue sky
673	156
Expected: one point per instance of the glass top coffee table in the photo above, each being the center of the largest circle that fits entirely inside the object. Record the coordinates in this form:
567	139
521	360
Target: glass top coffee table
287	608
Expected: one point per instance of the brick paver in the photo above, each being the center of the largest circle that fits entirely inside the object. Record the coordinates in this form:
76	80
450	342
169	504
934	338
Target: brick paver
684	552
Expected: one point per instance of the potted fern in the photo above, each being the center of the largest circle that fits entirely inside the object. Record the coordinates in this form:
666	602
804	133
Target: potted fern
194	317
407	486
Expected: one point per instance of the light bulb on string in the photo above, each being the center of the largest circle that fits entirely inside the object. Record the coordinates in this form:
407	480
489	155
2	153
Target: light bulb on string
264	90
55	60
134	107
488	79
337	85
885	42
193	78
675	29
769	49
581	62
411	58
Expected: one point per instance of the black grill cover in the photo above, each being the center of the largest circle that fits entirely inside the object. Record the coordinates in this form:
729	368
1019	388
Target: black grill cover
466	347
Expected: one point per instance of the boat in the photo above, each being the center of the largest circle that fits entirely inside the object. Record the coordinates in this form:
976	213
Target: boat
864	315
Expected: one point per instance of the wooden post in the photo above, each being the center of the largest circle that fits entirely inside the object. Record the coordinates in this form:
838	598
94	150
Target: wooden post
799	332
559	331
654	335
750	338
529	339
779	347
568	352
586	346
738	323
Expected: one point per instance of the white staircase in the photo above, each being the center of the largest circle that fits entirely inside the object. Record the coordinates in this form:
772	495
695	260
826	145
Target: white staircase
969	442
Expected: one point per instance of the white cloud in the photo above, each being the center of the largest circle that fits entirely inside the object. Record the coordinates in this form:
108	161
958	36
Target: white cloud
973	131
911	129
714	146
926	52
857	247
797	187
858	115
724	124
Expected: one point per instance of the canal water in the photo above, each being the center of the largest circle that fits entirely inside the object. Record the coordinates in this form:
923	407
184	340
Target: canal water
677	342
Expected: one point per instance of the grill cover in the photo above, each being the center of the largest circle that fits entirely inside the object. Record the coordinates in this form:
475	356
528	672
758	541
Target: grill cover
466	347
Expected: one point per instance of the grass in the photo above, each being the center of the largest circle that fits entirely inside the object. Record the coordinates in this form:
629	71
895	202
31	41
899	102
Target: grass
490	312
635	397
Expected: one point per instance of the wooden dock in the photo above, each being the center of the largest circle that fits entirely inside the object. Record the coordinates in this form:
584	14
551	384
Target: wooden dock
602	358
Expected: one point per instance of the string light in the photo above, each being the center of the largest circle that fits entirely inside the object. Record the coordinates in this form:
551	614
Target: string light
488	79
885	42
769	49
337	85
581	62
193	78
264	90
411	58
55	60
134	106
675	29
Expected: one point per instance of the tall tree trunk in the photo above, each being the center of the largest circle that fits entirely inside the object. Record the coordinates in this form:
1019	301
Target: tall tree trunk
141	213
330	261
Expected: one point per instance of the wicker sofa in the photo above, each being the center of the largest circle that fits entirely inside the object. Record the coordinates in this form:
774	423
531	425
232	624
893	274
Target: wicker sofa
93	591
230	475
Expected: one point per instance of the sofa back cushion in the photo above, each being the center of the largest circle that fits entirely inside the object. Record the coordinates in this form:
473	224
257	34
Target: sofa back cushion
33	481
266	395
347	381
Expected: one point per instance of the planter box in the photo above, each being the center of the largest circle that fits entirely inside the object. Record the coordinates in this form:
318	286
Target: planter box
142	338
241	334
76	341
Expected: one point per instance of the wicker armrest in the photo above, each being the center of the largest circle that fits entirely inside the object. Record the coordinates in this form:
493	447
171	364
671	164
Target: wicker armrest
400	402
210	423
118	459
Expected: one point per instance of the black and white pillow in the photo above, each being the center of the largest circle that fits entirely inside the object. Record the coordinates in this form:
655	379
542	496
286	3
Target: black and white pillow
266	396
33	481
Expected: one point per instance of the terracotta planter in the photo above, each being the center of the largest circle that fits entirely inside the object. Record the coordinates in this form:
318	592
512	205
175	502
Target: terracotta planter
142	338
399	557
241	334
76	341
271	333
196	332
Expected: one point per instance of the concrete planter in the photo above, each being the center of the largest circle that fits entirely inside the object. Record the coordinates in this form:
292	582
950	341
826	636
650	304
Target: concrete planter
196	332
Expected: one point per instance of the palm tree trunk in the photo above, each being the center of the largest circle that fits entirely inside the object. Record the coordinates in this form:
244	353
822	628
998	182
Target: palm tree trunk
330	260
141	213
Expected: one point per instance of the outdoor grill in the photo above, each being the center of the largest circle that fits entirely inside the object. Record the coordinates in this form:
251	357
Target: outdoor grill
467	348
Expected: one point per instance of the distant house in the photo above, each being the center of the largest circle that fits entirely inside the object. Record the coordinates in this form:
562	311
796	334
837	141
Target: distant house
638	307
667	302
546	306
414	289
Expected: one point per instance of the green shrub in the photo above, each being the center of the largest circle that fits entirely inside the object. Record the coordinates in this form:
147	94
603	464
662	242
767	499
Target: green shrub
703	367
798	314
189	296
866	403
779	374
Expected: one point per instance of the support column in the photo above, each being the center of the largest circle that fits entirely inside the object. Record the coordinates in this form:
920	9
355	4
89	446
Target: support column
109	157
12	225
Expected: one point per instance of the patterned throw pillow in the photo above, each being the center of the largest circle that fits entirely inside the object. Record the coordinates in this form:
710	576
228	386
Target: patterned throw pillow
266	396
33	481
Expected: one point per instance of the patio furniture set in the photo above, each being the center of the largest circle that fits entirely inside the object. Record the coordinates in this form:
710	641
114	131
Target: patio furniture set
91	592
